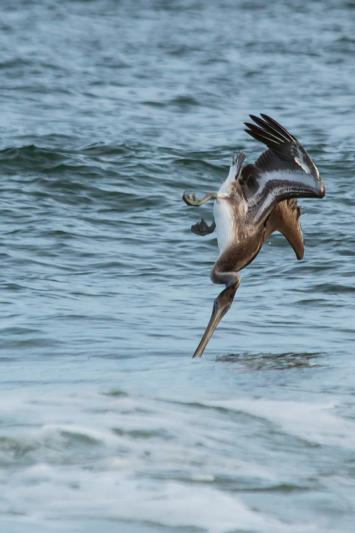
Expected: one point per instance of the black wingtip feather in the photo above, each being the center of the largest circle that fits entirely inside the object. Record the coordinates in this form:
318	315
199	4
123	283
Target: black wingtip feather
281	143
271	143
276	132
276	125
269	139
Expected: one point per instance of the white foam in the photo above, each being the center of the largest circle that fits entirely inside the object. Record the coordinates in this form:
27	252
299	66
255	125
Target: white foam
172	475
104	495
316	423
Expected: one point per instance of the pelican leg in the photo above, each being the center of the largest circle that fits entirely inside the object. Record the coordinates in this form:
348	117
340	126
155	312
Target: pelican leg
221	305
202	228
191	199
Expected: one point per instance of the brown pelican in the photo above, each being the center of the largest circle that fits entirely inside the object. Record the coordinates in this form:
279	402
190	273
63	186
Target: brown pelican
254	201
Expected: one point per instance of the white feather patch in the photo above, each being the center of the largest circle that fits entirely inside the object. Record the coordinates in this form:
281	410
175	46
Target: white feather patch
223	216
230	178
282	180
291	176
302	163
223	212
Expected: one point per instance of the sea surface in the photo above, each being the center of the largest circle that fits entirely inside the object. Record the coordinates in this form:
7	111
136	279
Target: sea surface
109	111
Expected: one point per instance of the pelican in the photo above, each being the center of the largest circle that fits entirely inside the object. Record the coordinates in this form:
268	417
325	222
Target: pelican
254	201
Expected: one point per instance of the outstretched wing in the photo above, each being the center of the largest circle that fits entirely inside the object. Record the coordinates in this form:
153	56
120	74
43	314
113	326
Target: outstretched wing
282	144
283	171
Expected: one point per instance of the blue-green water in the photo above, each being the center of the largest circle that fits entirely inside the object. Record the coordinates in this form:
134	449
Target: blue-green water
109	111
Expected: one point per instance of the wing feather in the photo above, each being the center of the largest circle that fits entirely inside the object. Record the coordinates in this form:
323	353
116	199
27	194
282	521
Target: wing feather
281	142
276	130
257	133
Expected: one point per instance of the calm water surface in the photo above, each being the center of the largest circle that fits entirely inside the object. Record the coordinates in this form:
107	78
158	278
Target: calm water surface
109	111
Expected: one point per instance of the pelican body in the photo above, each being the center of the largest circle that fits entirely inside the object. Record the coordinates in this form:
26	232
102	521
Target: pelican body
254	201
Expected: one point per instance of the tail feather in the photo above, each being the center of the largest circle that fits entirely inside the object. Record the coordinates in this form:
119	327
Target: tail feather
238	160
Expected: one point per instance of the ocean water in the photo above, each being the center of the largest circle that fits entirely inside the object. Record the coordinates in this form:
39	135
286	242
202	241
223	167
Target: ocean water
109	111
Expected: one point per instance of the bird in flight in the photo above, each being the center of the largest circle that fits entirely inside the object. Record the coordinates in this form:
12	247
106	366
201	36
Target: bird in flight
254	201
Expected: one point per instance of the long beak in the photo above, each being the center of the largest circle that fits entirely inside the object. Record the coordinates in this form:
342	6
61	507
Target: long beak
221	305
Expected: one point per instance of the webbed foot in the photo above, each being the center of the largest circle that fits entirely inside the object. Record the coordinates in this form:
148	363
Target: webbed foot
202	228
191	199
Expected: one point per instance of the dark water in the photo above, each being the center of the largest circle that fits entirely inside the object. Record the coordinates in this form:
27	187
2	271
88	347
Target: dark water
109	111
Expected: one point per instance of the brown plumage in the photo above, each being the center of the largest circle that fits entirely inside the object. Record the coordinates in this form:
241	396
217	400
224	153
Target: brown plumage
285	218
254	201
